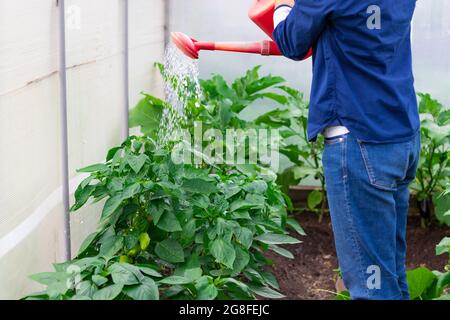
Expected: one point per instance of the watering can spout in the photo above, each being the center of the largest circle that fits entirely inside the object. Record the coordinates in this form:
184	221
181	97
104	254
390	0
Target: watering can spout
192	47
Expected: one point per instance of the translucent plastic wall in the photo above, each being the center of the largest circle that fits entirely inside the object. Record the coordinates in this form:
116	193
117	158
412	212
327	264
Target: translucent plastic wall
31	163
227	20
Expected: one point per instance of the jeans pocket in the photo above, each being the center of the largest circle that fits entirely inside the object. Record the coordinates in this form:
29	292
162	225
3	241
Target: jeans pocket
385	164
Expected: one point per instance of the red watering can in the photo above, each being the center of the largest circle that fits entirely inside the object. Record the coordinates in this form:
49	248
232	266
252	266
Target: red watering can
261	13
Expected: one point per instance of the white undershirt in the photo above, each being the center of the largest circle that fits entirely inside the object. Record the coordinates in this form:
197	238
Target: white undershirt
281	13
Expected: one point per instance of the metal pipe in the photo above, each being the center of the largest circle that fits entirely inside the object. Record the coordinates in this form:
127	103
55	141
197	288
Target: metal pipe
167	6
126	65
64	130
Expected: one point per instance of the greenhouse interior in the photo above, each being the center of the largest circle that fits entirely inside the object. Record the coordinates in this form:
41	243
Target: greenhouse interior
225	150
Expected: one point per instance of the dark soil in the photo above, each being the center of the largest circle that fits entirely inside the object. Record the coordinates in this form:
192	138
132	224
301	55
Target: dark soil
310	275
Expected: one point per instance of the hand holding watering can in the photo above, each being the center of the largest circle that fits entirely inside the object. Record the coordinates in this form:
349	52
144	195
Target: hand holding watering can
261	13
282	2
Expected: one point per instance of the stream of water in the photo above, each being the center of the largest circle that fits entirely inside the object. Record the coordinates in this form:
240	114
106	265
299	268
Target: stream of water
181	86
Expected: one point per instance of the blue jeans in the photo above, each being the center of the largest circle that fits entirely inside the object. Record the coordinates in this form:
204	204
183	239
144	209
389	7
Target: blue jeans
367	187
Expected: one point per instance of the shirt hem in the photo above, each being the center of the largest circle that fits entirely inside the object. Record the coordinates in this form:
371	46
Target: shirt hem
315	134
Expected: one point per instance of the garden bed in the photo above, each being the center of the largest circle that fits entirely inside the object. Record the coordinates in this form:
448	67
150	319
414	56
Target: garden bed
310	275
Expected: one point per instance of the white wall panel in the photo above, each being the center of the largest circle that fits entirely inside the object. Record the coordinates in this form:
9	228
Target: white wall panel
41	247
31	213
28	36
95	82
146	47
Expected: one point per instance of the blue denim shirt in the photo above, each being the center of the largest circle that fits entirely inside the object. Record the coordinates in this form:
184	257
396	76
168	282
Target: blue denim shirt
362	65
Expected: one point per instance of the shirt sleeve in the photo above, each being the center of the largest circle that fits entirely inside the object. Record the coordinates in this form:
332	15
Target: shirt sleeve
281	13
302	27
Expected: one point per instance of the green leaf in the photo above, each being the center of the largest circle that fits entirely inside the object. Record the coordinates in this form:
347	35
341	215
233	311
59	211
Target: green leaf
82	195
281	99
275	119
270	279
169	222
315	198
137	162
444	118
273	238
264	83
99	280
86	263
111	246
441	207
206	290
115	185
47	278
122	275
294	225
281	251
247	169
170	251
251	201
148	270
292	152
266	292
112	152
303	172
429	105
191	271
57	289
245	237
86	288
147	290
344	295
147	115
223	252
438	134
87	242
419	281
175	280
78	297
241	261
443	281
108	293
111	205
225	113
131	191
257	186
93	168
187	236
444	297
443	246
238	283
199	186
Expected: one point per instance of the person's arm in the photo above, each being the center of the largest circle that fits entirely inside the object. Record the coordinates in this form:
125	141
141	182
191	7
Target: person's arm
302	27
